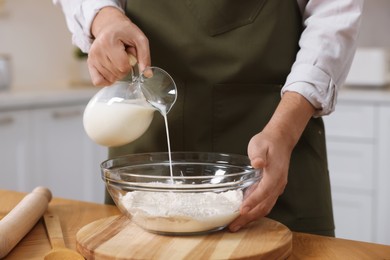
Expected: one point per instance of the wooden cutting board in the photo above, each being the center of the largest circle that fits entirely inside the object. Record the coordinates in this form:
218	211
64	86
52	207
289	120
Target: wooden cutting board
117	237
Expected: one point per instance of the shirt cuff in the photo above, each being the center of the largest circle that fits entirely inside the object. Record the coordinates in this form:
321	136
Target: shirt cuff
84	16
315	85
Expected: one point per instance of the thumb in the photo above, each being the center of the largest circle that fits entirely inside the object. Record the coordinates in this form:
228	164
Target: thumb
137	60
258	162
257	153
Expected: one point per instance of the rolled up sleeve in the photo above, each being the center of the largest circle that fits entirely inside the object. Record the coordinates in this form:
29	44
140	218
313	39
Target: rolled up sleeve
327	46
79	15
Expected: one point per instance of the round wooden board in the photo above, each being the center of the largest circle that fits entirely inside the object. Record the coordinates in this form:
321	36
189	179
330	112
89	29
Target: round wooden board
117	237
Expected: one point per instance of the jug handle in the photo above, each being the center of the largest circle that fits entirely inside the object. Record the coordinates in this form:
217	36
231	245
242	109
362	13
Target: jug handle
134	64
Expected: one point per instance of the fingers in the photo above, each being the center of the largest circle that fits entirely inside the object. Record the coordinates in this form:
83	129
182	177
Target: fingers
258	152
107	62
119	62
258	204
259	161
143	54
100	76
115	37
270	155
138	46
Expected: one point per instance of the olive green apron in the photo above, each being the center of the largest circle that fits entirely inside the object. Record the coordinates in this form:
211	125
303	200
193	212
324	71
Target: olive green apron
230	60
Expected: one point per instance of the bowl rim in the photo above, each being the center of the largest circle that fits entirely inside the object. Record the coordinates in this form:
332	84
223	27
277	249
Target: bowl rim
139	157
112	177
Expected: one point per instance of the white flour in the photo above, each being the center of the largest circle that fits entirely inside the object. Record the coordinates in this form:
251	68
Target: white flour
182	212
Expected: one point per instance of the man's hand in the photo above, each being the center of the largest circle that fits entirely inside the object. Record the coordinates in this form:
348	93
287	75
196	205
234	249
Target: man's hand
115	38
271	150
269	153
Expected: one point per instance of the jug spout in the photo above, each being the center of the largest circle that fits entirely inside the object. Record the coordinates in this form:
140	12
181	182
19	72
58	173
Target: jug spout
159	88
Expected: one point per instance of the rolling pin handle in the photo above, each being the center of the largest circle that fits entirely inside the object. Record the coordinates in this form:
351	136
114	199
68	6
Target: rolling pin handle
44	191
19	221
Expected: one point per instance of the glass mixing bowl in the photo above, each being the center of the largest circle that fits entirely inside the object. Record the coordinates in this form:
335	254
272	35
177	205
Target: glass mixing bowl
203	195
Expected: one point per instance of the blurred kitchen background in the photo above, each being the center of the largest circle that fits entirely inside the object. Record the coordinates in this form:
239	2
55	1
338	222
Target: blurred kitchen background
42	141
35	37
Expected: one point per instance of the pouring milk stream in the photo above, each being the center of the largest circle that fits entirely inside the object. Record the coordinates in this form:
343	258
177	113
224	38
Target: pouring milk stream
121	113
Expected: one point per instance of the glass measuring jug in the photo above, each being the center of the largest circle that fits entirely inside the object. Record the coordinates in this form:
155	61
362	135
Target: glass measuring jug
121	113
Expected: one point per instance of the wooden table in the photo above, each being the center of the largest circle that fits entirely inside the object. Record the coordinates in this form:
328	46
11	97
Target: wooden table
76	214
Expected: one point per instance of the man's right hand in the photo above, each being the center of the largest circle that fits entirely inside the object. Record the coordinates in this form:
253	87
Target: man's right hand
115	38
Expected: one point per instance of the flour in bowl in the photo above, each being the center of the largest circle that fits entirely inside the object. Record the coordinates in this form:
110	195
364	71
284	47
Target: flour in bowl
182	212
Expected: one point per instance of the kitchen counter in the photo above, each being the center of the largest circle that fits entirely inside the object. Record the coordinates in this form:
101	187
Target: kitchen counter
76	214
16	100
11	100
379	95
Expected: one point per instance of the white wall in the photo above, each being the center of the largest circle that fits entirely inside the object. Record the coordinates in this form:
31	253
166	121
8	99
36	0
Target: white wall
375	31
34	34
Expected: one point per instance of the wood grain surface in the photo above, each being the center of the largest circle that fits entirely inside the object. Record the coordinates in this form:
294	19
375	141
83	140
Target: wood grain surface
117	237
76	214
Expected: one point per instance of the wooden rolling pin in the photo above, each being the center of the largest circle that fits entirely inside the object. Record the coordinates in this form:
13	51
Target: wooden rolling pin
19	221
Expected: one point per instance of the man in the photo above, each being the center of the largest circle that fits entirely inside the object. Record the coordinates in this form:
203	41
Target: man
253	78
